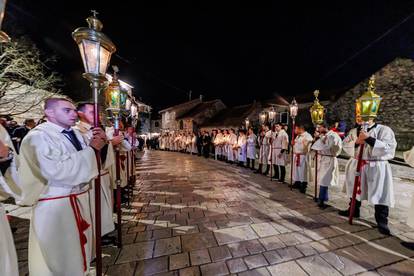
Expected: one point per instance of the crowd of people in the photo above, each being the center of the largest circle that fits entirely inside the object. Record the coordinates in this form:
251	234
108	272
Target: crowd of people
270	148
53	172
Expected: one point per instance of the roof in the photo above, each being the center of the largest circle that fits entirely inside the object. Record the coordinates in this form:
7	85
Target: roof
232	116
200	108
181	105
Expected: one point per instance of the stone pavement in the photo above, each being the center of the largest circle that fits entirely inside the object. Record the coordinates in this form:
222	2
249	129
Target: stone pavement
193	216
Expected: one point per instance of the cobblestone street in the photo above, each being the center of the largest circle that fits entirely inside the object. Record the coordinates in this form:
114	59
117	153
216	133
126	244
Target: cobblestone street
193	216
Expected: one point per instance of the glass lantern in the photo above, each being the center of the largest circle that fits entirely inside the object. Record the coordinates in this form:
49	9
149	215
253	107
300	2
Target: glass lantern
368	104
293	109
317	111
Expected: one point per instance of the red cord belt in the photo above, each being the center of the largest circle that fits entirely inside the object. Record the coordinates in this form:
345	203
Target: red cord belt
81	224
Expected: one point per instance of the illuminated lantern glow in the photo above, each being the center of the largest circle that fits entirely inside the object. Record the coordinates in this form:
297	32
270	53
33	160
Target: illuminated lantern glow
317	111
115	96
293	109
367	106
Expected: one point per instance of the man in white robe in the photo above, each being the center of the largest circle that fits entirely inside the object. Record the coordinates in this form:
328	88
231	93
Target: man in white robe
55	171
251	148
409	159
86	117
300	150
8	258
264	142
232	145
278	155
218	148
328	147
241	145
351	149
376	176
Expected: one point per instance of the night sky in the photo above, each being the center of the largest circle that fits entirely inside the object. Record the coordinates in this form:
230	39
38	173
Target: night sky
228	50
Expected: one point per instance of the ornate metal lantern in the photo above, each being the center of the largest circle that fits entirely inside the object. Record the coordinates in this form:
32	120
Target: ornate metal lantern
317	111
368	104
272	114
262	117
95	48
247	123
115	96
293	109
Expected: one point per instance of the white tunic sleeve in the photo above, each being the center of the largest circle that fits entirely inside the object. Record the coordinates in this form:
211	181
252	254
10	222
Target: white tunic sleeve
385	144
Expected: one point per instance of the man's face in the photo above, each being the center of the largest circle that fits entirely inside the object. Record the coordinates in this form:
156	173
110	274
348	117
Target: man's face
320	129
62	113
278	128
87	115
31	124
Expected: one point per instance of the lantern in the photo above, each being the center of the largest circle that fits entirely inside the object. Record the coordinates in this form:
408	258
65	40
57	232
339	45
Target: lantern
95	48
247	122
317	111
3	36
272	114
368	104
293	109
115	96
262	117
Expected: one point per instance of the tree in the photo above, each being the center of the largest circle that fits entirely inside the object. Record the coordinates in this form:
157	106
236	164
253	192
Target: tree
25	77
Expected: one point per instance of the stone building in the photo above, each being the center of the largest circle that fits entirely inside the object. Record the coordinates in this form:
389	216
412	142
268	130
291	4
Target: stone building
395	84
190	115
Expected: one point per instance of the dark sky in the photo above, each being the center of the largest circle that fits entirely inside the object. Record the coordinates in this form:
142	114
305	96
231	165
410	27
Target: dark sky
229	50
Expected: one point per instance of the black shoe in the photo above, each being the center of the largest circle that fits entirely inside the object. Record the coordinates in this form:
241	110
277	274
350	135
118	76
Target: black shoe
108	240
322	205
303	186
345	213
267	170
259	170
409	245
383	229
296	185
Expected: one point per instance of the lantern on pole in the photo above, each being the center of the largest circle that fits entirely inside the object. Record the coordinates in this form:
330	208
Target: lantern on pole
115	99
262	117
293	111
247	123
366	109
96	50
317	112
272	114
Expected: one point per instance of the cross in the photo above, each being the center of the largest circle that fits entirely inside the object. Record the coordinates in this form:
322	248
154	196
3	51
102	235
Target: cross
94	12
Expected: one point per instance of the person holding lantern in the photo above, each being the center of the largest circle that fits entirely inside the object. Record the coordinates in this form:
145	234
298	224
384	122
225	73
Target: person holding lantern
232	142
218	146
301	148
242	147
278	155
55	173
84	126
328	146
264	143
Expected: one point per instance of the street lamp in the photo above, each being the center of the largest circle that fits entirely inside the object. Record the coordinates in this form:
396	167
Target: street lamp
293	110
96	50
317	114
366	107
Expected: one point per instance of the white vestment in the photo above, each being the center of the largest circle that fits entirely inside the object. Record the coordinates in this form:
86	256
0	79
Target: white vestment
264	148
55	178
280	141
231	144
409	159
242	144
8	258
218	146
376	176
328	146
194	144
351	165
107	223
300	151
251	146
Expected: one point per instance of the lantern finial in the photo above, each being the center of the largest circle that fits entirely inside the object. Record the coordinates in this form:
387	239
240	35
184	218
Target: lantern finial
316	93
94	22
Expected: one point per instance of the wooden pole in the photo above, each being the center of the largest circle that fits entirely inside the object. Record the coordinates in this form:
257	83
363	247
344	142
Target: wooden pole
118	185
291	159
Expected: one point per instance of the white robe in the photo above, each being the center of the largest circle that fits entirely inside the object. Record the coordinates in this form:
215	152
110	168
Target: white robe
264	148
280	141
409	159
8	258
251	146
376	176
351	164
328	146
242	144
51	167
218	144
231	144
300	151
194	144
107	223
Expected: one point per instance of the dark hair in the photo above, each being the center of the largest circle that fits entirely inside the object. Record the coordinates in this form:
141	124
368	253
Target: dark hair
28	121
81	105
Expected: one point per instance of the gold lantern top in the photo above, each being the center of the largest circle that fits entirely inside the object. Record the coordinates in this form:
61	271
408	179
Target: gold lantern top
367	106
317	110
115	96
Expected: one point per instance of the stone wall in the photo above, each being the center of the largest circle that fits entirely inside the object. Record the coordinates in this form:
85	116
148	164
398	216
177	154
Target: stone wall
395	84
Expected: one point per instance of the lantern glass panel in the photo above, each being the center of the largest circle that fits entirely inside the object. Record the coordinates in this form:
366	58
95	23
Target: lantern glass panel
89	52
104	56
